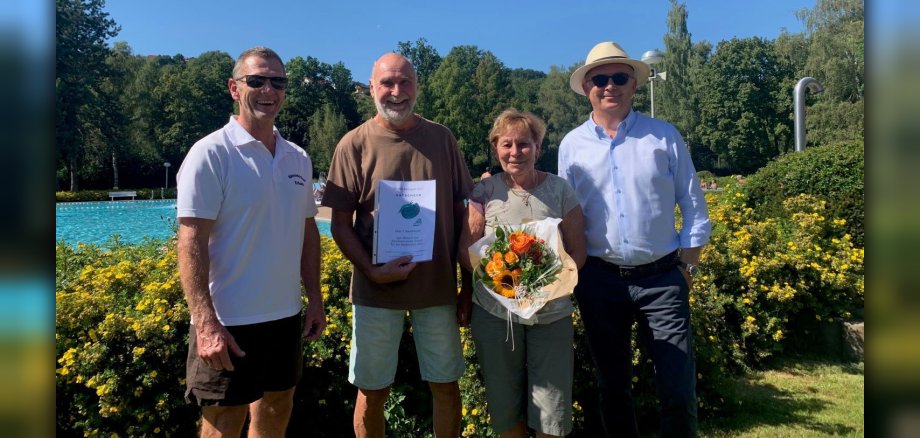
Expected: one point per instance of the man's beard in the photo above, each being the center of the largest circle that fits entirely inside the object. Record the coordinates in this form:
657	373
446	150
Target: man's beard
392	115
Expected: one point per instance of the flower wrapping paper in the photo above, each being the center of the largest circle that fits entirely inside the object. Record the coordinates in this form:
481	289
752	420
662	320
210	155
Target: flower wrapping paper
548	230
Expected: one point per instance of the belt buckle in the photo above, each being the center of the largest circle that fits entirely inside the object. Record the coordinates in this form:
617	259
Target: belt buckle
626	271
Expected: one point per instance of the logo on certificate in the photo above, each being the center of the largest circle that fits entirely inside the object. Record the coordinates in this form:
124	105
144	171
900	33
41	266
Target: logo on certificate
410	210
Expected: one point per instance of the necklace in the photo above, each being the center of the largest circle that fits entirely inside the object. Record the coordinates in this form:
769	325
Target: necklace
525	198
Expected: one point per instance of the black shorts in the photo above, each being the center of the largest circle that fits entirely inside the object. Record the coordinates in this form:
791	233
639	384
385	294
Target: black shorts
273	362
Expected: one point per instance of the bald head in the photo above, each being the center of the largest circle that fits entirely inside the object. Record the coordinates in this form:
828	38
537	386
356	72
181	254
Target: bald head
393	62
393	87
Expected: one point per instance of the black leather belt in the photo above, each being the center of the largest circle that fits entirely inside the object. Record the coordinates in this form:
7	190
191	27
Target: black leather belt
639	271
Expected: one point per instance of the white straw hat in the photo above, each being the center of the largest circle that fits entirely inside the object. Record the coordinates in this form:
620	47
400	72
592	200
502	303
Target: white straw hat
604	53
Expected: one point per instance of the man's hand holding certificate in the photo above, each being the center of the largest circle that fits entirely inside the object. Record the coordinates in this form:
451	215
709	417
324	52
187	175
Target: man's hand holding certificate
404	220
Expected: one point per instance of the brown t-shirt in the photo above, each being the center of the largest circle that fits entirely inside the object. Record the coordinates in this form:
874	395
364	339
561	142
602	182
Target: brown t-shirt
429	151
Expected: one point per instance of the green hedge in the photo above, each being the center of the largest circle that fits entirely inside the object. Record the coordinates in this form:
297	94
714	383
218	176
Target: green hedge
103	195
834	173
122	329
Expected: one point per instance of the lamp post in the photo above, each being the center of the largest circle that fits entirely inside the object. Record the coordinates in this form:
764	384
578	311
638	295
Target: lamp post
166	183
798	98
651	58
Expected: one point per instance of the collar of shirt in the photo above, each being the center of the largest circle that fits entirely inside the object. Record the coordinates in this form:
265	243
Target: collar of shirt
622	129
239	136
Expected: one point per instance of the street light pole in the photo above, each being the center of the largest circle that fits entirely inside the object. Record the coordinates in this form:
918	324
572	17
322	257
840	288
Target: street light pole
166	183
651	58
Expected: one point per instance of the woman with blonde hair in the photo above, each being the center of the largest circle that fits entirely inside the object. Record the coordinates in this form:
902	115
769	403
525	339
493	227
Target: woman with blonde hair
527	372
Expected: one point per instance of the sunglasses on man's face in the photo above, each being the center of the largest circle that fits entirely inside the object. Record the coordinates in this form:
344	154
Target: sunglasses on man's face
256	81
619	79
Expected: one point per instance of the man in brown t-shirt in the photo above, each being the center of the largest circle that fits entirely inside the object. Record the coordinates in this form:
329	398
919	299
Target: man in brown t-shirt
398	144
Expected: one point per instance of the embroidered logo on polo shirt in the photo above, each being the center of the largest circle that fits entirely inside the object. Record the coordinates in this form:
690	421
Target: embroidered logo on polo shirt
299	180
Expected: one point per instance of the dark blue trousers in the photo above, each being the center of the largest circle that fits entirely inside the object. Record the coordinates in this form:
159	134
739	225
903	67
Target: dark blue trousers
660	305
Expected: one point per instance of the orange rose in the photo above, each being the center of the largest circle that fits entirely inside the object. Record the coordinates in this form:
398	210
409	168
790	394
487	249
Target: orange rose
520	242
511	258
494	268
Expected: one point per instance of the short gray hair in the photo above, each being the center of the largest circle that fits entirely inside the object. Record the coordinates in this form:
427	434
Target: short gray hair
262	52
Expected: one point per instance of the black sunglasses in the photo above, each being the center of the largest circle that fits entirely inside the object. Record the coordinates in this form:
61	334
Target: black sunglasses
256	81
619	79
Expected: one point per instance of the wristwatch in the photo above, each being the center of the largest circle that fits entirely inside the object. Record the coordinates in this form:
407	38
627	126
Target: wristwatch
689	267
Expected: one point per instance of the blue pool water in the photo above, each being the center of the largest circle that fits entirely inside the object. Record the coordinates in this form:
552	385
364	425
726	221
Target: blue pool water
133	221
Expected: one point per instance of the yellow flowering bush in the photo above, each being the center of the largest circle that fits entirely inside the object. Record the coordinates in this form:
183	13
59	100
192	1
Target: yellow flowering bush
120	341
122	327
762	280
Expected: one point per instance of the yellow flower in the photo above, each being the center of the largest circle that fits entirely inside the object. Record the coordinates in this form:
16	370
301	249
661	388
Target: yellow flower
503	284
511	258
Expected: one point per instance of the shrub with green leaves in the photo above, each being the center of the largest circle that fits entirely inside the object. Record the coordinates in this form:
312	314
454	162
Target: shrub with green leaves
760	276
834	173
122	326
121	341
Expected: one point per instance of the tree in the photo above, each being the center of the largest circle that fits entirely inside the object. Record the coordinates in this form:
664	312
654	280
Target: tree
426	60
525	88
739	118
562	110
327	126
677	95
81	31
469	89
122	65
311	84
144	107
836	52
836	57
195	102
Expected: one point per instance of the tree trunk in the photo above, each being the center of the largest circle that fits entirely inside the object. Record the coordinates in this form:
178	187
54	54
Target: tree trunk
74	180
114	171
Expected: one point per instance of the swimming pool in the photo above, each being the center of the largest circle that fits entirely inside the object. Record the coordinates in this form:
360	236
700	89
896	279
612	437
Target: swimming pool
132	221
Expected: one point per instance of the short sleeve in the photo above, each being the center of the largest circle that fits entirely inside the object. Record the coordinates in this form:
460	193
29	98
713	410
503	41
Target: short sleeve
199	184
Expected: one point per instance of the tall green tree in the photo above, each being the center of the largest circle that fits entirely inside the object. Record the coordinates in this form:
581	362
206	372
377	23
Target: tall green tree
739	117
81	30
115	118
426	60
562	110
144	105
327	126
677	97
525	88
312	84
469	89
836	52
195	101
835	32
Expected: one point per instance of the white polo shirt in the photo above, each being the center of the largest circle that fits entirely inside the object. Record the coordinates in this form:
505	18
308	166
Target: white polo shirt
259	204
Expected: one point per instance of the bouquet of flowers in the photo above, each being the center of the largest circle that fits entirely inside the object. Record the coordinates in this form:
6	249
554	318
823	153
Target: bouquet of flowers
522	265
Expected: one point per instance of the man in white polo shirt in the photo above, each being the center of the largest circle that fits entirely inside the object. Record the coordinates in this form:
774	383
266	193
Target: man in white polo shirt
247	239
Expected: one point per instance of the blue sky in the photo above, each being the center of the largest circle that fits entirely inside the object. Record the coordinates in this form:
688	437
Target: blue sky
529	34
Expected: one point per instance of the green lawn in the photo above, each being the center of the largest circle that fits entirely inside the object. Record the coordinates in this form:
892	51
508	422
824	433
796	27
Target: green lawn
796	397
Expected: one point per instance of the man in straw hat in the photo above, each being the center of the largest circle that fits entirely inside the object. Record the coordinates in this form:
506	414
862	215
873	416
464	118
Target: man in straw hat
629	171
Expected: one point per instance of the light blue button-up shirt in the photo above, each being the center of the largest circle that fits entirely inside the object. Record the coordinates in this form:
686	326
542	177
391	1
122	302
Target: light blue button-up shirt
628	186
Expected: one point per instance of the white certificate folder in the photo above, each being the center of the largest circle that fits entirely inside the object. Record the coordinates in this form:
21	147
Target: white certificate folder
404	220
